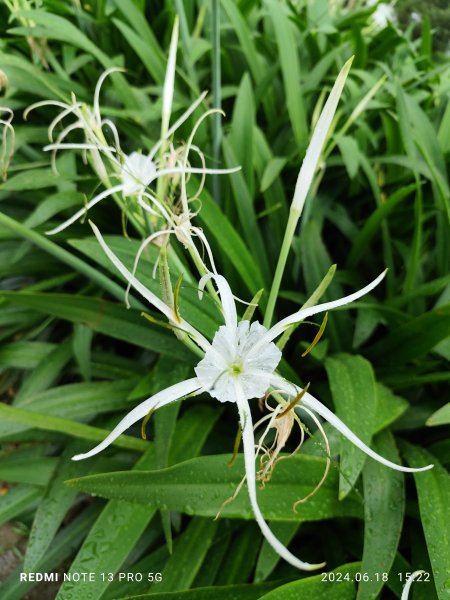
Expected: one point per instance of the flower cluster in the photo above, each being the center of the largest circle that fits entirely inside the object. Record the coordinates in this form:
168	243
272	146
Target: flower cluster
132	175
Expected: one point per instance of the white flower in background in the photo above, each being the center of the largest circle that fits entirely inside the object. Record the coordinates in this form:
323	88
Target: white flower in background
135	172
384	13
238	365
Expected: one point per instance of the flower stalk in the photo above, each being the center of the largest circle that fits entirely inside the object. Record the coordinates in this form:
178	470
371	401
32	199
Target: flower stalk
304	182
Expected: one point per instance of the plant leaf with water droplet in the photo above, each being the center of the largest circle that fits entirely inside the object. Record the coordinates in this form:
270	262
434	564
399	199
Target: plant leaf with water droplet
352	384
200	486
121	523
318	588
384	507
433	490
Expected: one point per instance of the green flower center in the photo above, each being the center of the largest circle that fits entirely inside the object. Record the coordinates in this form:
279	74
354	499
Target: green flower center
236	368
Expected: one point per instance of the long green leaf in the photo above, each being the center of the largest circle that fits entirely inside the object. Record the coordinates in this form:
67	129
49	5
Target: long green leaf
190	551
226	592
352	384
53	507
339	587
413	339
62	255
285	35
433	489
384	507
119	527
104	317
201	485
12	414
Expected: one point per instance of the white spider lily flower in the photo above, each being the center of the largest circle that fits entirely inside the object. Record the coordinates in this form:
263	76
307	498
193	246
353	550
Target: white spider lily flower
238	365
135	172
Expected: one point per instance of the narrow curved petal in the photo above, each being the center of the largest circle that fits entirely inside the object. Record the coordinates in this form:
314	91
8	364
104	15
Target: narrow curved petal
175	170
202	237
84	210
226	297
114	132
9	111
57	103
177	124
408	584
175	392
78	147
304	313
154	200
101	79
311	402
148	295
249	457
60	117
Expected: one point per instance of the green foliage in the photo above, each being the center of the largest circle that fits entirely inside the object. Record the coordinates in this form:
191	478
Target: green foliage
74	359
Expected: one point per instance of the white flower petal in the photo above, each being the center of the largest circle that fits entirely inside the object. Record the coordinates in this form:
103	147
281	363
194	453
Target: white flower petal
226	298
304	313
57	103
227	361
228	305
84	210
137	172
311	402
197	170
312	156
60	117
157	401
249	457
148	295
408	584
177	124
101	79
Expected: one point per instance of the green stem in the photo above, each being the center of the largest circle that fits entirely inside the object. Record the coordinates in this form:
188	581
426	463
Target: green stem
294	216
